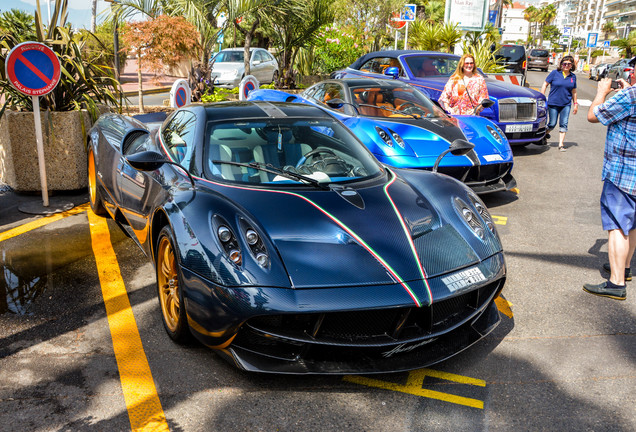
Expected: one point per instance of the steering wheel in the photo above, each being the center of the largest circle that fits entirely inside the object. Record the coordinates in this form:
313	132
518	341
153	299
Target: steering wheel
330	164
405	104
315	152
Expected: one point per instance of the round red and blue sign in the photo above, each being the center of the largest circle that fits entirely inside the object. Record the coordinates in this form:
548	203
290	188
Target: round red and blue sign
33	68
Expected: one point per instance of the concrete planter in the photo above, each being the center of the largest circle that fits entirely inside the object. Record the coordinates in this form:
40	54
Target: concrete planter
64	150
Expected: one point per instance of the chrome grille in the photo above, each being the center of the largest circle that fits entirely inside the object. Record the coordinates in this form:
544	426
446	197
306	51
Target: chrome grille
516	111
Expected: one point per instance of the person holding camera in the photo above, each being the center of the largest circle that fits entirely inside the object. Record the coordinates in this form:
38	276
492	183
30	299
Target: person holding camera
562	82
618	198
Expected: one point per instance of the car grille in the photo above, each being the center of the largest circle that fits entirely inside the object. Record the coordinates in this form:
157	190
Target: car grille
478	173
513	111
369	328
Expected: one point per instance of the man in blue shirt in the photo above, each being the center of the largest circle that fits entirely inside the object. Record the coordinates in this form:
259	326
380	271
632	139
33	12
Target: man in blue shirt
618	199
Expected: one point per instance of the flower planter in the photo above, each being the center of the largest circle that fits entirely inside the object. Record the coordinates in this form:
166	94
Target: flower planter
64	150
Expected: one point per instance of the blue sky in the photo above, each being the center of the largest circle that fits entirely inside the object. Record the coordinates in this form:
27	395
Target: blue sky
79	11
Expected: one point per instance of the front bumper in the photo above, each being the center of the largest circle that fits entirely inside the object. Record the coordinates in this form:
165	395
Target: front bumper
342	330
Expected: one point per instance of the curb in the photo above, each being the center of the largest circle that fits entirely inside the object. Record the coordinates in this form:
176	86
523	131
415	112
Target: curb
149	91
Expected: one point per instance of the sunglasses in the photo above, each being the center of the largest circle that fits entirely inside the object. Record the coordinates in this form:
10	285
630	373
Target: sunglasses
566	64
469	63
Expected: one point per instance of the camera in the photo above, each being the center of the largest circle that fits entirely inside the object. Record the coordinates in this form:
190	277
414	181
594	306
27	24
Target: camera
616	84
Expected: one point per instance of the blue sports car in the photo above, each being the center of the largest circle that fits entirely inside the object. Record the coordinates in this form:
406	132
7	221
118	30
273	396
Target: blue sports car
281	242
518	111
405	129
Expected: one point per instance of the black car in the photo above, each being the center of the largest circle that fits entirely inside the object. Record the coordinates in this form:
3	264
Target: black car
513	58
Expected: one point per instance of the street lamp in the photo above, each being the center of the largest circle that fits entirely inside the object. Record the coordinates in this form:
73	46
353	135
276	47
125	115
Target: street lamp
115	34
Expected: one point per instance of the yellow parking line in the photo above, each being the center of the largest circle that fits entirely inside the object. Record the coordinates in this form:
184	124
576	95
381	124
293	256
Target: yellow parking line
142	401
14	232
415	382
504	306
499	220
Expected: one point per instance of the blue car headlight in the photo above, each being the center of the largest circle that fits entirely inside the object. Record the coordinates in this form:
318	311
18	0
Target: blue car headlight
495	134
398	139
541	104
385	136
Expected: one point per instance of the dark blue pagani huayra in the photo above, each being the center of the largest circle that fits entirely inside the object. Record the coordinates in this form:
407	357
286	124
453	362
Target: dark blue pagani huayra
280	241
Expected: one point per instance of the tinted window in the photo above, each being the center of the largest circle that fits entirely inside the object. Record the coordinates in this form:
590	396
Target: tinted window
539	53
322	149
511	53
380	64
443	65
394	102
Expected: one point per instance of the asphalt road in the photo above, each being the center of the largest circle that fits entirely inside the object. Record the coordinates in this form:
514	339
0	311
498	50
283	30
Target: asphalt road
560	360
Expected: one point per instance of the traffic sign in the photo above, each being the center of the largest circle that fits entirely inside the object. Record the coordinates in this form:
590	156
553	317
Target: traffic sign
33	68
396	22
567	31
408	12
247	85
606	44
591	40
180	94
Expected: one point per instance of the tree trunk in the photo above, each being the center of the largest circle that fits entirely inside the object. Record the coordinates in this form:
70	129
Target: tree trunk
140	82
94	17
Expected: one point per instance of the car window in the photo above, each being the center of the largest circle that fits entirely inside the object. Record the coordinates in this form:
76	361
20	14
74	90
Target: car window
380	64
539	53
267	56
394	102
229	57
178	135
511	53
431	65
321	149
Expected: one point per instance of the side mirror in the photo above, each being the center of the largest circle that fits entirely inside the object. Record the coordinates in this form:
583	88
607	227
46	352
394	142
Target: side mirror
256	62
335	103
487	103
146	160
392	71
459	147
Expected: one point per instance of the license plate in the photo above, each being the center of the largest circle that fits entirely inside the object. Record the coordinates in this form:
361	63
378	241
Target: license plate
519	128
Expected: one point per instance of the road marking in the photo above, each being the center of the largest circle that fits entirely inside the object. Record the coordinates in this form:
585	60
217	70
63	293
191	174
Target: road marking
14	232
504	306
142	401
415	382
515	190
584	102
499	220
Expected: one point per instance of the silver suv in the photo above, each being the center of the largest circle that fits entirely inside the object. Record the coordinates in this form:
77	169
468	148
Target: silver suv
539	59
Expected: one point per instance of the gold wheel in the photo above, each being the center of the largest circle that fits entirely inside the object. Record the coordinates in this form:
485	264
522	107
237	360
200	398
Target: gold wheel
93	194
168	281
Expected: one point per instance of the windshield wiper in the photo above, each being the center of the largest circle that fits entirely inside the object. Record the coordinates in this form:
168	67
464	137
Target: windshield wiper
274	170
415	116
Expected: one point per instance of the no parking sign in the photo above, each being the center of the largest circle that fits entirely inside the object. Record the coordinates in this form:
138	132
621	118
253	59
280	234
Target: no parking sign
180	94
34	70
247	85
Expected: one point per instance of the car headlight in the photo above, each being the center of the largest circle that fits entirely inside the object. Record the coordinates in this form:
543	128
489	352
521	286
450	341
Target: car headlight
398	139
494	134
541	103
385	136
255	244
228	240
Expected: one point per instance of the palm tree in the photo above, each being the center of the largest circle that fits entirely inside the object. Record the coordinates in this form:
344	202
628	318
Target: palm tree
530	14
546	16
94	16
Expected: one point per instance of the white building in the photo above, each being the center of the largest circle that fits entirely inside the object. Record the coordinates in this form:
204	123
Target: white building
514	26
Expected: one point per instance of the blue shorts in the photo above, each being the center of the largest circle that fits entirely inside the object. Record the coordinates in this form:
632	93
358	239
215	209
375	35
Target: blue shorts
618	209
562	113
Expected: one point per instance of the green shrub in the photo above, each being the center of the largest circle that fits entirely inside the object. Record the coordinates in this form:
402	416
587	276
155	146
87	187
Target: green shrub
336	49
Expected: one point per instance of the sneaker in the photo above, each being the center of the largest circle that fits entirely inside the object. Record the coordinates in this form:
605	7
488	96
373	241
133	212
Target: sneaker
628	271
547	136
602	290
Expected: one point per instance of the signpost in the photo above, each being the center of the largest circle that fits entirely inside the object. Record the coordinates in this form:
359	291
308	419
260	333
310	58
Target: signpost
397	23
408	15
34	70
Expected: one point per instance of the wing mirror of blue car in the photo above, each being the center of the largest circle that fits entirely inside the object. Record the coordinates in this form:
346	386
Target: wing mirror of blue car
392	71
150	161
459	147
487	103
337	103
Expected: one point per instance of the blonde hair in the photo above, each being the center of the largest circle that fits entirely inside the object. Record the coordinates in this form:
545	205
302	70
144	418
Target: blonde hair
459	72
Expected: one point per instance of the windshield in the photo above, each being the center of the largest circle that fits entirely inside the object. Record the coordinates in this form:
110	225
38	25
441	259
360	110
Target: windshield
229	57
511	53
253	152
385	101
539	53
431	65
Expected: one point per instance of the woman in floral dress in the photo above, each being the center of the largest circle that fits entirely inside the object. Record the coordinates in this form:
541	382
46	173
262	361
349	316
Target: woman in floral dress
465	89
